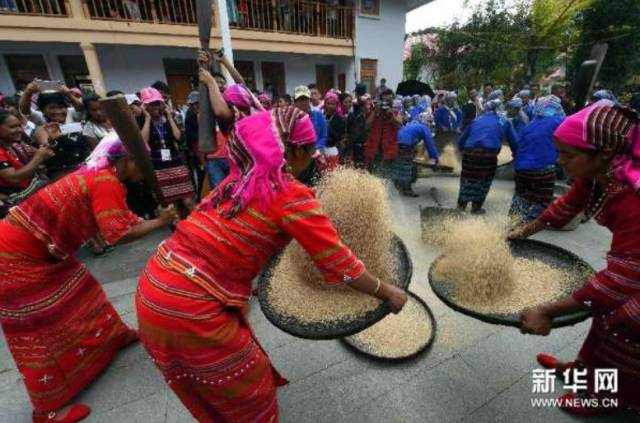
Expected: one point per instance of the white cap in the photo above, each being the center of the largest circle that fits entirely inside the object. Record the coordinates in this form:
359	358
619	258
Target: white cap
132	98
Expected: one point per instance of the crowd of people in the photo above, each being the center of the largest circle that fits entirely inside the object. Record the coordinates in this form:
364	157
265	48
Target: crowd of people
66	179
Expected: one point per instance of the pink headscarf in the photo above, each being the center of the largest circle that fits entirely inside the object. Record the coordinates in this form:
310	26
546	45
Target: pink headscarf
267	99
106	153
604	126
330	95
239	96
256	150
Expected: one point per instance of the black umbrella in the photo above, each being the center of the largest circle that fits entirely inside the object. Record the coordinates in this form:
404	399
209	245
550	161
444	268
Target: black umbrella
406	88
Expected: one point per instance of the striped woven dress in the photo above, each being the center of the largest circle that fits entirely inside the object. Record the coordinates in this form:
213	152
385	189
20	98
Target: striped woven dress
193	295
614	293
60	328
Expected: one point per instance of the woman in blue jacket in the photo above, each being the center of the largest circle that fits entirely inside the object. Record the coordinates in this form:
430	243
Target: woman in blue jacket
535	162
480	145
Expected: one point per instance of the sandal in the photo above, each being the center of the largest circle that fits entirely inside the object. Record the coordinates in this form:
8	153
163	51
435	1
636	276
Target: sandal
76	413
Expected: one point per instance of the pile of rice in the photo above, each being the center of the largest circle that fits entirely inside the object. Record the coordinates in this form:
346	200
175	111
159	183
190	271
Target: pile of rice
398	335
483	276
356	202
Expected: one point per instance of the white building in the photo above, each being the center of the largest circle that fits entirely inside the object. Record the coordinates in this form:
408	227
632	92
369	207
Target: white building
128	44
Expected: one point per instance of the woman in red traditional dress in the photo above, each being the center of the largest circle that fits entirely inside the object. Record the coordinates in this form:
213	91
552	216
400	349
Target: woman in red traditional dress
600	147
193	295
60	328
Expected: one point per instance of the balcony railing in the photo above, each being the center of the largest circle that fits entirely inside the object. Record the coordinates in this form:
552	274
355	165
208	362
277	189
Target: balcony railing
312	18
176	12
34	7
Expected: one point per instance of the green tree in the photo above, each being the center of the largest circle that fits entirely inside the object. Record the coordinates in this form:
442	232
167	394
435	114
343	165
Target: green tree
618	24
417	61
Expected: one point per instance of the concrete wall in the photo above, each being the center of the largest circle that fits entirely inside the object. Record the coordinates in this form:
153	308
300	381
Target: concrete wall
130	68
299	69
50	52
382	38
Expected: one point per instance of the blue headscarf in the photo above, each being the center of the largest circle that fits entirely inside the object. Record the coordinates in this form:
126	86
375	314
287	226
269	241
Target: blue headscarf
525	93
515	103
491	106
496	95
603	95
549	106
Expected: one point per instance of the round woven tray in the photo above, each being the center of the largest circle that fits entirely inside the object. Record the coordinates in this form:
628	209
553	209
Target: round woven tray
338	328
364	349
550	254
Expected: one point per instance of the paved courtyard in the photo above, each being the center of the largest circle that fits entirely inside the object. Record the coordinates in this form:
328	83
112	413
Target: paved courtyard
475	372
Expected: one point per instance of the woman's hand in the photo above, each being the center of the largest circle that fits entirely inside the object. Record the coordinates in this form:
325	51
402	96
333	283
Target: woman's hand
394	297
145	112
43	153
32	88
535	321
204	59
206	78
168	215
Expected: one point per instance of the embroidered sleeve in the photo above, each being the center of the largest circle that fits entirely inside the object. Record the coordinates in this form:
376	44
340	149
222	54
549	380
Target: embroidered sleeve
108	200
565	208
303	219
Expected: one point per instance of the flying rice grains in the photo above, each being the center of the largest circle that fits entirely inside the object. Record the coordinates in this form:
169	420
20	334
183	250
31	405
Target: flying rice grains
356	203
483	275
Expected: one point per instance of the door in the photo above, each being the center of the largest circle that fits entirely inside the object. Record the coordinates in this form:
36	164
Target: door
180	86
245	68
74	69
182	78
369	74
26	67
273	74
342	82
324	78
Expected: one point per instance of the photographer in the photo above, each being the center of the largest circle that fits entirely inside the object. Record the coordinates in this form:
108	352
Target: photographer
383	124
357	129
36	115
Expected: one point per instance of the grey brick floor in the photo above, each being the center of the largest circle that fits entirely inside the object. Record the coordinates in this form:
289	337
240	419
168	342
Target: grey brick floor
475	372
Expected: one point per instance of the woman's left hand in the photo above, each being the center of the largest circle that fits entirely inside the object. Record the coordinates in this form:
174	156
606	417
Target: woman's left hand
535	321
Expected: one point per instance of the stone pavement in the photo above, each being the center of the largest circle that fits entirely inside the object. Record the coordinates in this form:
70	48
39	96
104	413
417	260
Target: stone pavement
475	372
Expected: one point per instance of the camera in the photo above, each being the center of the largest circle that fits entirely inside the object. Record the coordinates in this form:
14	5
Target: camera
385	106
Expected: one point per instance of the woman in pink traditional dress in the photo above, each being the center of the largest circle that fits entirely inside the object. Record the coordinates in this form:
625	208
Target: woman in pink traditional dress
60	328
600	147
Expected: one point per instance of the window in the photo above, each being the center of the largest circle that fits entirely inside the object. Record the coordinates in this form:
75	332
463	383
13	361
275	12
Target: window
26	67
370	7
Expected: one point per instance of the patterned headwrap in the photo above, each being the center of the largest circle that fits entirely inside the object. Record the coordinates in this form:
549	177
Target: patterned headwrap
425	102
264	98
491	106
330	95
609	128
238	95
549	106
256	151
397	104
106	153
451	96
525	93
515	103
426	118
603	95
496	95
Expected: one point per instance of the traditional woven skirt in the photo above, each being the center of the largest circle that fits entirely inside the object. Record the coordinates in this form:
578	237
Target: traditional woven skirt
403	169
206	351
606	349
478	170
60	329
174	179
534	192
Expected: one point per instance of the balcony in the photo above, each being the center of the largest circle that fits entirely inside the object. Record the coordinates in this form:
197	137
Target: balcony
34	7
298	17
174	12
